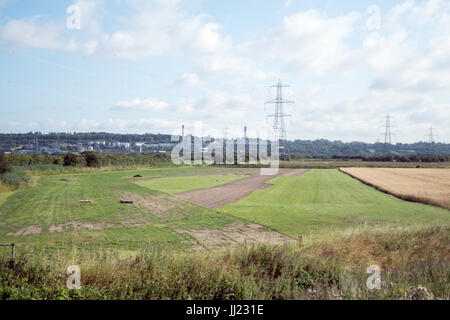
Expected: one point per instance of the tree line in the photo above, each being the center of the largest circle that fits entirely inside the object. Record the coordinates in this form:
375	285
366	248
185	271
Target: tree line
85	159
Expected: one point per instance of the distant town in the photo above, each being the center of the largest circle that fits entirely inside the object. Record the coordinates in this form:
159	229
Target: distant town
58	144
58	148
62	143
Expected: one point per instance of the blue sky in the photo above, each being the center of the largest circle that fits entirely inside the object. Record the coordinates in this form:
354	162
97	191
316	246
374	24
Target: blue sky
139	66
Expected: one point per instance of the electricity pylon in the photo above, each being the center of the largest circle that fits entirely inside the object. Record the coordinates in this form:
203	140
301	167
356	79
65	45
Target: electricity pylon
279	127
387	134
430	137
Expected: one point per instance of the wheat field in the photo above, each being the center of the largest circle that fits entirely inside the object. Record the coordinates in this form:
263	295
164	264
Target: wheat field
430	186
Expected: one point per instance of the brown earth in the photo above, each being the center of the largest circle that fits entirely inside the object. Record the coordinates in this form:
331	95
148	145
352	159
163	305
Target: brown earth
79	225
219	196
26	231
234	234
162	206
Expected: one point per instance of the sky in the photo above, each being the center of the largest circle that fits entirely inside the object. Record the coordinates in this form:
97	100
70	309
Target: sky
135	66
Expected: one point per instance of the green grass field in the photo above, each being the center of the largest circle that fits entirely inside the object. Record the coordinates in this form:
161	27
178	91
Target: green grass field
314	203
152	220
187	183
324	200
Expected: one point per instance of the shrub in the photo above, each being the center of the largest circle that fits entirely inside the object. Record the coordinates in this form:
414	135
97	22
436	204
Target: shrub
91	159
4	164
70	159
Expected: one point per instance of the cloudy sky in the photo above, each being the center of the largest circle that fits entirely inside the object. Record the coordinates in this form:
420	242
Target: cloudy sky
135	66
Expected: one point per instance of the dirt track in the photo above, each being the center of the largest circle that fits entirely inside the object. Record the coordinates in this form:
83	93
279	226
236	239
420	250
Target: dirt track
227	193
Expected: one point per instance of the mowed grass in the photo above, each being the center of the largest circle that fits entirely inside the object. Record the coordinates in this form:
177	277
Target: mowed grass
324	200
179	184
316	202
154	218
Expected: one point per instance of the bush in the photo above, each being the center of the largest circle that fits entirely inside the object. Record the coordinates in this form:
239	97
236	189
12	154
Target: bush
70	159
4	164
91	159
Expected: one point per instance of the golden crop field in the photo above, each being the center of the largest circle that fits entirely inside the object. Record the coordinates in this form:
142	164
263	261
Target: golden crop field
430	186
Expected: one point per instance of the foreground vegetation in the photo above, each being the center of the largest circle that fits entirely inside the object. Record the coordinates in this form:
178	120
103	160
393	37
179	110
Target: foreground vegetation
414	264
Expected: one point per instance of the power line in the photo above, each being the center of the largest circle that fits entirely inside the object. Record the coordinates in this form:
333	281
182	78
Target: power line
279	127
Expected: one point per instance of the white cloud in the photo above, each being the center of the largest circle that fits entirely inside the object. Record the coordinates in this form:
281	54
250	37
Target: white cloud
36	33
92	12
385	53
189	79
307	42
154	28
402	60
142	105
229	64
313	42
87	125
203	36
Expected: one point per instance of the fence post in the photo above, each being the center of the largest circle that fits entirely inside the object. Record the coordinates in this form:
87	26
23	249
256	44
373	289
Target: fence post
13	248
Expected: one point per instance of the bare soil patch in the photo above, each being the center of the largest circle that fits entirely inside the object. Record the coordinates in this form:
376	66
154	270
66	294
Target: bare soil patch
75	226
234	234
26	231
79	225
222	195
162	206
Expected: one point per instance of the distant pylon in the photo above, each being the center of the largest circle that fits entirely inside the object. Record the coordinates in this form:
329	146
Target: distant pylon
430	137
279	128
36	145
387	134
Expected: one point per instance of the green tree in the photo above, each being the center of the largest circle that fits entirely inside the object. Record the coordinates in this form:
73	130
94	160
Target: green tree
70	159
92	159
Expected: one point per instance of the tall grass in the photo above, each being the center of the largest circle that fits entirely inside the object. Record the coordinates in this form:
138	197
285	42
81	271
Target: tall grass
414	263
14	179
